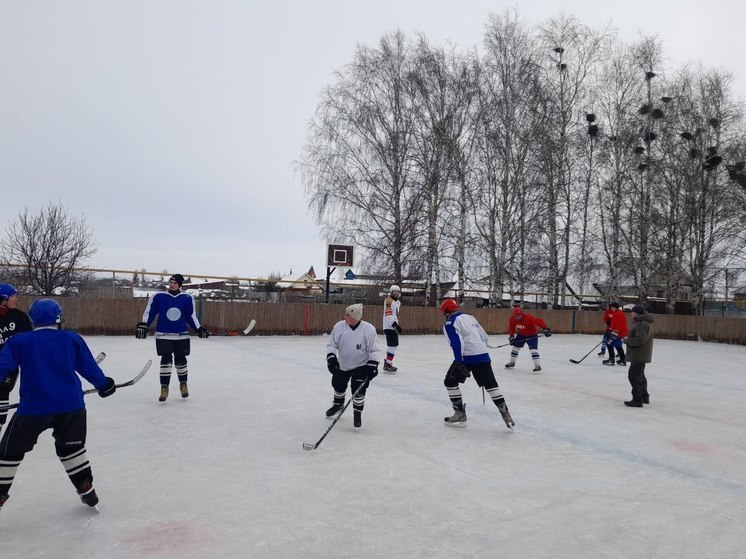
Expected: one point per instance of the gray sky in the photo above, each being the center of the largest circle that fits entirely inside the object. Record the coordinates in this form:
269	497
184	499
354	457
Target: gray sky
172	125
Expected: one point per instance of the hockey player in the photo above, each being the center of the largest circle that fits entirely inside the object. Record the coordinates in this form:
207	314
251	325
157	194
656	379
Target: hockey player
607	330
12	321
175	311
639	352
391	327
468	342
523	328
51	397
617	332
352	357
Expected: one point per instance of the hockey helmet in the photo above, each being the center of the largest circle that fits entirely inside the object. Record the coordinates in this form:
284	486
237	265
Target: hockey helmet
448	306
6	291
45	312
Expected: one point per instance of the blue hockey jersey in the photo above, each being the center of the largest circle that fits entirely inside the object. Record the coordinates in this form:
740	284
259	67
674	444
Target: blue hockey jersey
175	312
50	361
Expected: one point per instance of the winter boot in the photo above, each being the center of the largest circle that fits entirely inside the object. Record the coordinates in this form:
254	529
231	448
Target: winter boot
164	394
633	403
334	409
389	368
357	419
458	419
506	415
646	399
510	365
88	494
184	390
609	362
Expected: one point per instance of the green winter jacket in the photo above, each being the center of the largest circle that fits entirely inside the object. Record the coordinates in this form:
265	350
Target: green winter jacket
640	339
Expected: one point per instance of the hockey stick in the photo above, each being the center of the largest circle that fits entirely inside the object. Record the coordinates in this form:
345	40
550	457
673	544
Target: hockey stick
503	345
130	382
587	354
309	446
245	332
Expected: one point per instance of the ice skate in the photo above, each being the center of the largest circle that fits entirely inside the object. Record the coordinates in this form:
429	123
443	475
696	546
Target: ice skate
506	415
609	362
601	354
389	368
184	390
537	369
357	420
164	394
87	494
334	409
510	365
458	419
621	362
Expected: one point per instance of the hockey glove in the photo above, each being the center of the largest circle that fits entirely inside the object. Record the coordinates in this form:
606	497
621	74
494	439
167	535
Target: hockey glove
332	364
397	327
109	389
547	332
203	332
372	370
511	340
142	331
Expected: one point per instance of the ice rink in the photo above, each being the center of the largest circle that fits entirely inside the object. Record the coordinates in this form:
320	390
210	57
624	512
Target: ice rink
223	473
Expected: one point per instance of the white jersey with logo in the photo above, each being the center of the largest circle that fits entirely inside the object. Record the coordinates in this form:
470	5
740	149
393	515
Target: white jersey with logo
353	348
390	312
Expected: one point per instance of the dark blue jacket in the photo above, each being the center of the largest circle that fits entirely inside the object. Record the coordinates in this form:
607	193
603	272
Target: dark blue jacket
50	361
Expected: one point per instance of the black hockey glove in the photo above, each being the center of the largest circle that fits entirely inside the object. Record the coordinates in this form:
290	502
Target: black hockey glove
332	364
203	332
547	332
511	340
397	327
109	389
371	370
142	331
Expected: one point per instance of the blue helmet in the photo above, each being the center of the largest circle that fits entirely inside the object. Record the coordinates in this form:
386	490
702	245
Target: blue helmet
6	291
45	312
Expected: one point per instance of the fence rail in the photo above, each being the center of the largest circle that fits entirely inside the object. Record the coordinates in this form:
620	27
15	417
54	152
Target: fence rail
100	316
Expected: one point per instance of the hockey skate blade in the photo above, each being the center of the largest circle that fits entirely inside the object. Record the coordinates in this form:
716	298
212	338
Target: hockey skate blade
308	446
250	327
460	424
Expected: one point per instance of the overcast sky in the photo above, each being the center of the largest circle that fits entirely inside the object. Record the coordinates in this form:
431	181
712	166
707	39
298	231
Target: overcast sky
172	125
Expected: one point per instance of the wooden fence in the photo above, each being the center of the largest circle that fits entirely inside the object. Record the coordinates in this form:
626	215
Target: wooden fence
99	316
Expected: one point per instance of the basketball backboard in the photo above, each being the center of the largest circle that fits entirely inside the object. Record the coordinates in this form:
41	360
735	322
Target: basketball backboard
339	255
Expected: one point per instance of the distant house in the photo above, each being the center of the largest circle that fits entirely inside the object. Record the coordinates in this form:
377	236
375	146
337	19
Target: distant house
300	284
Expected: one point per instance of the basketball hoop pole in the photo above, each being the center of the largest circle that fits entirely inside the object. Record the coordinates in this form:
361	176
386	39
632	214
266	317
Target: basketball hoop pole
329	272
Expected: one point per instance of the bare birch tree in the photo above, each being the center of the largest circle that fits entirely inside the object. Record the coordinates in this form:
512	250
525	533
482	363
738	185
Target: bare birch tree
45	247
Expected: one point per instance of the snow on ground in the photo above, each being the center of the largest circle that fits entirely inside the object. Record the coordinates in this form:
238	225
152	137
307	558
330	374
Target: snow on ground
223	474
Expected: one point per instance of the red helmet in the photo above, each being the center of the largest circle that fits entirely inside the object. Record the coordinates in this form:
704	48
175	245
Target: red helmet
448	306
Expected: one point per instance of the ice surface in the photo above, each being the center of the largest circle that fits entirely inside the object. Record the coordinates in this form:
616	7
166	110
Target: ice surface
223	474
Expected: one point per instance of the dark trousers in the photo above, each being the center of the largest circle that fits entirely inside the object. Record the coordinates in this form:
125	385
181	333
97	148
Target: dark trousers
6	387
637	380
69	431
355	378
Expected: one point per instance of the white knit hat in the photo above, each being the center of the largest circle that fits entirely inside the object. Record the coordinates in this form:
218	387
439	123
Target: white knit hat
355	311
